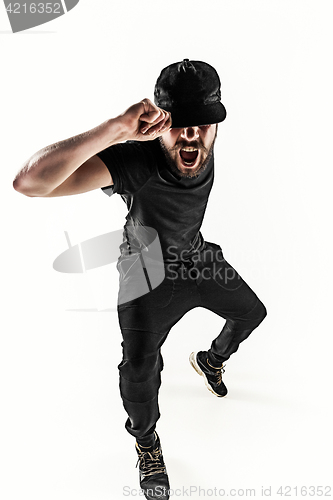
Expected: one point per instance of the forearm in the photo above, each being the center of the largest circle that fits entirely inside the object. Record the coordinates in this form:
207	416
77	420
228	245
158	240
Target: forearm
52	165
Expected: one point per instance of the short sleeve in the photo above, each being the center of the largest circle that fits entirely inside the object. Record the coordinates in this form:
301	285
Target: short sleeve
130	165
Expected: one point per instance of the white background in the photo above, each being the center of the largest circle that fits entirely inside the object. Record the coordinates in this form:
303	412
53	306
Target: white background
62	426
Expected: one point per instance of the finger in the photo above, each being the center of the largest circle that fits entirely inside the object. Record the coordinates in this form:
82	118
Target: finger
147	123
158	122
154	125
168	123
151	113
164	126
150	117
158	127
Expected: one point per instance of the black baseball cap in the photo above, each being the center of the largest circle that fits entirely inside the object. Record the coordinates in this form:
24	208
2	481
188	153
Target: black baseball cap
191	92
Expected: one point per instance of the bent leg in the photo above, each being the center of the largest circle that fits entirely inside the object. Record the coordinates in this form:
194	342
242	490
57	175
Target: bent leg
234	332
229	296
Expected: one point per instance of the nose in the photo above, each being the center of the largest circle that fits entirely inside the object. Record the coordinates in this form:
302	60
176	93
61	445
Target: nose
190	133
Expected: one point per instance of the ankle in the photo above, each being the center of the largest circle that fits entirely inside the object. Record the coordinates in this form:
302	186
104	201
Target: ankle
146	441
214	362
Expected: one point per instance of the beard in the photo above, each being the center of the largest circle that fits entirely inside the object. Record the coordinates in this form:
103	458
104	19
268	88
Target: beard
170	154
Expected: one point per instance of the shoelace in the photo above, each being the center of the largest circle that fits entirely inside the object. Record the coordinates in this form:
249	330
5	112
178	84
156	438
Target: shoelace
150	462
219	372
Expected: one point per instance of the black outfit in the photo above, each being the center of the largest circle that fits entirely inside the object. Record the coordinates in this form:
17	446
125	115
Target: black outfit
196	273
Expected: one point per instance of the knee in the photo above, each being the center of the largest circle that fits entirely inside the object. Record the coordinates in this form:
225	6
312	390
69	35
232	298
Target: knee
256	315
141	369
261	312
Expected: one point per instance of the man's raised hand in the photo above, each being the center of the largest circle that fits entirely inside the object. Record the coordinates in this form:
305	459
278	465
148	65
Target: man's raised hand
144	121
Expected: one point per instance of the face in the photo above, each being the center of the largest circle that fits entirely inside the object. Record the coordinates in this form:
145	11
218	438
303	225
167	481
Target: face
189	149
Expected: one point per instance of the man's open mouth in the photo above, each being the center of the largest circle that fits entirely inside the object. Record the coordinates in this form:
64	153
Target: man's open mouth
189	156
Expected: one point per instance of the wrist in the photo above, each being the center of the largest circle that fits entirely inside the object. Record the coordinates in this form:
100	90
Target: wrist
116	131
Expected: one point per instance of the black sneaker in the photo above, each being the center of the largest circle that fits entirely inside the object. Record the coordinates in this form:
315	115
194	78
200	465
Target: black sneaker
212	375
153	475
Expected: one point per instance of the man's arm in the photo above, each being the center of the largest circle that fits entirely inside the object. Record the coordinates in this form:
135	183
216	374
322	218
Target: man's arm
72	167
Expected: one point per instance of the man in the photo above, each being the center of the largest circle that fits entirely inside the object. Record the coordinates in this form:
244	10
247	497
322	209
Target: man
164	172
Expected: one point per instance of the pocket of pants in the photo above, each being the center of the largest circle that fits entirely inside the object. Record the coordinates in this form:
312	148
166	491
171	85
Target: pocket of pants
159	297
225	275
162	295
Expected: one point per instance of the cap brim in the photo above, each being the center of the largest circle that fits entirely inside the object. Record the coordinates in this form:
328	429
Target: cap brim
196	116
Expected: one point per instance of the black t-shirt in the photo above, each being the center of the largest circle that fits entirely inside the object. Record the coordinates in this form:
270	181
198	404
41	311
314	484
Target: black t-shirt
157	198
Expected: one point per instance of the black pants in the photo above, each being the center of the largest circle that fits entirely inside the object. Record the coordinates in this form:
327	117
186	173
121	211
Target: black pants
146	321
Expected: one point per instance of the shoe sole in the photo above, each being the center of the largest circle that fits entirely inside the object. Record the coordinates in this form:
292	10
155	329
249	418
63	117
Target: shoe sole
193	361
